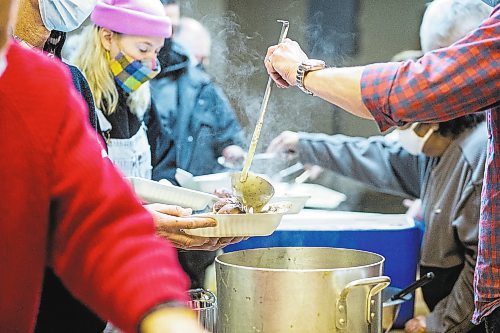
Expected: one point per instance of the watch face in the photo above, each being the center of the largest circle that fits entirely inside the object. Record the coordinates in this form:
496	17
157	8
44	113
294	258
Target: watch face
314	63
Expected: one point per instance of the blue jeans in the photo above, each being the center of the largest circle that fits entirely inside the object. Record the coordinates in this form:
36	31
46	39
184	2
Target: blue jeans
493	322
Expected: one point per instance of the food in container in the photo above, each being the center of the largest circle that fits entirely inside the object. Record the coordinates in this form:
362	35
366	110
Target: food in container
229	224
228	205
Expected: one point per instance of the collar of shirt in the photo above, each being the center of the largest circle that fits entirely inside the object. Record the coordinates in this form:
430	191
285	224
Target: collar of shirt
27	45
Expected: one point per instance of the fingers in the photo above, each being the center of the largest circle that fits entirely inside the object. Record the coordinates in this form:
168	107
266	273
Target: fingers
195	222
224	241
183	241
172	223
408	203
314	171
270	50
169	209
268	60
237	240
276	145
187	242
286	144
415	325
212	244
233	153
280	82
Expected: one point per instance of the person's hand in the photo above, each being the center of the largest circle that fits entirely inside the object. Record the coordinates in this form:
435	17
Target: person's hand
234	155
171	320
282	61
414	207
286	144
416	325
314	171
170	221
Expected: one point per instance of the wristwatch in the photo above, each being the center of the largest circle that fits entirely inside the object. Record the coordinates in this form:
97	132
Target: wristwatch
307	66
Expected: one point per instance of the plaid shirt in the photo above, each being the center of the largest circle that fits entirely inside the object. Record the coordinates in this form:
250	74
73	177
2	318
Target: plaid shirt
445	84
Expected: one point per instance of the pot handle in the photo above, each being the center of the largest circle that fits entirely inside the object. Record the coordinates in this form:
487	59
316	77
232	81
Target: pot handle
377	284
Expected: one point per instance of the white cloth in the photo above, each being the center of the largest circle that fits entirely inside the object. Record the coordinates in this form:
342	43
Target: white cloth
132	156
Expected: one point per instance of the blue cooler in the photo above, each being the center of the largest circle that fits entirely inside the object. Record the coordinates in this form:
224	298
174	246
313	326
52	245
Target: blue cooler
393	236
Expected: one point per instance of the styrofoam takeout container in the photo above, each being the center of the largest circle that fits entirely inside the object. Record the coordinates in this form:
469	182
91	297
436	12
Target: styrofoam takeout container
215	181
320	197
239	225
297	201
155	192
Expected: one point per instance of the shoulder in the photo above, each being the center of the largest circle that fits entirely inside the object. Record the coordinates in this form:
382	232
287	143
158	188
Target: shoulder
76	74
32	79
474	142
473	145
44	78
82	85
198	77
40	93
36	68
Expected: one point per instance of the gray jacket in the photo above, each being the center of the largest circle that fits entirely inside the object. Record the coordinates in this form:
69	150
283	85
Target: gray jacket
450	190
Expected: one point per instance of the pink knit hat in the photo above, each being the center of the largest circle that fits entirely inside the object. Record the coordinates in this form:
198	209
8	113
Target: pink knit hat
133	17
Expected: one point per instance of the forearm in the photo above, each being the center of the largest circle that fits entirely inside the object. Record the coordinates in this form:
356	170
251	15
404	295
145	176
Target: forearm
103	247
339	86
372	161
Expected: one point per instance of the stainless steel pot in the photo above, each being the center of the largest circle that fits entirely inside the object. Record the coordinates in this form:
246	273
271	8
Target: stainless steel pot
390	308
392	299
300	289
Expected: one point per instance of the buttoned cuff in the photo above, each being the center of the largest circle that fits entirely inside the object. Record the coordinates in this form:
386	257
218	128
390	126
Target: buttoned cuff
376	84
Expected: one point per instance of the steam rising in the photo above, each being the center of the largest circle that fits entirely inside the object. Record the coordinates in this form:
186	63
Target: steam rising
237	58
236	62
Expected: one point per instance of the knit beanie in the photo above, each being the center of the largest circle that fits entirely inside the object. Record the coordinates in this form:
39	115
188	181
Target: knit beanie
133	17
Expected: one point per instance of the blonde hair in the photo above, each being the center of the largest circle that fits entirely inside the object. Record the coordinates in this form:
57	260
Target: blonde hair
93	60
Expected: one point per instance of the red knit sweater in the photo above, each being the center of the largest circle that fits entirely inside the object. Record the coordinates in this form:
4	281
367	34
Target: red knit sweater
63	205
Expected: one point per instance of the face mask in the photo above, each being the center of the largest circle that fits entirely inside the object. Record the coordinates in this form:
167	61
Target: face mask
491	3
411	142
130	74
392	137
65	15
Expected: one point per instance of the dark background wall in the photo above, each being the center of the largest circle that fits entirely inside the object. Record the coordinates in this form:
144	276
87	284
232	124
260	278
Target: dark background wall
342	32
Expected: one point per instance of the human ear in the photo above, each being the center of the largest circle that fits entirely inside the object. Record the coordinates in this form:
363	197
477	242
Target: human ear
106	37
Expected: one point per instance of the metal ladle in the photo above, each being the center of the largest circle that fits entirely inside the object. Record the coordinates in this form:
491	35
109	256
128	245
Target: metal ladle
254	191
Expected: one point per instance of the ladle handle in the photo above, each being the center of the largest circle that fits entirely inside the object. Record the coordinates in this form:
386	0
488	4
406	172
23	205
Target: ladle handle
414	286
263	108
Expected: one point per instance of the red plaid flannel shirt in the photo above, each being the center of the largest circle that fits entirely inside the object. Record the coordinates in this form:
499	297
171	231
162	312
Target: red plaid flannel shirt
445	84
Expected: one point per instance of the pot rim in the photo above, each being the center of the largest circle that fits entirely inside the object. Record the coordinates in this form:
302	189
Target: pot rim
315	270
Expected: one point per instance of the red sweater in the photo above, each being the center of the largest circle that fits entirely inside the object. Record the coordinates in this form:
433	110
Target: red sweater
63	205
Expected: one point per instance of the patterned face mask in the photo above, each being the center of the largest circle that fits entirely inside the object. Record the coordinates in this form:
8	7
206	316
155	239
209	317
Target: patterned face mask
130	74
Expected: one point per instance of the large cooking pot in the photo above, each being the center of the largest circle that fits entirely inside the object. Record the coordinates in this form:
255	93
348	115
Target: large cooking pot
300	289
390	308
392	299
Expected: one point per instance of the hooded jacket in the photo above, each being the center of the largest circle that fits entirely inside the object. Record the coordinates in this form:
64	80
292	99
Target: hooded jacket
196	110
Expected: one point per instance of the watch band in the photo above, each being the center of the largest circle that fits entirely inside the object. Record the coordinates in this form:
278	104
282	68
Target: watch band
307	66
